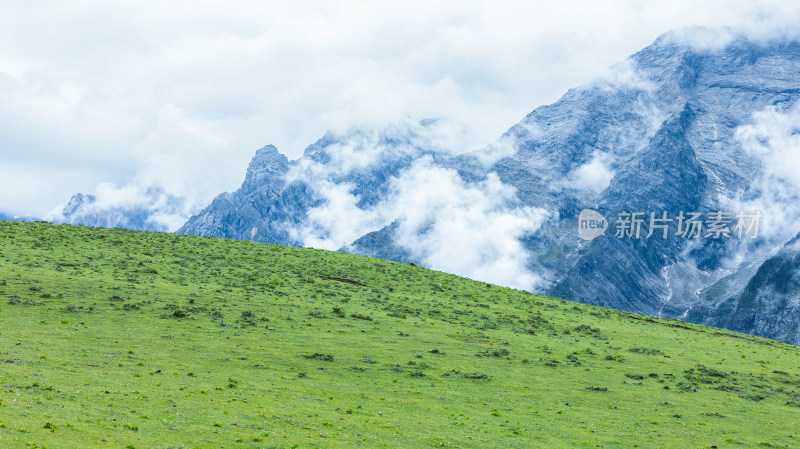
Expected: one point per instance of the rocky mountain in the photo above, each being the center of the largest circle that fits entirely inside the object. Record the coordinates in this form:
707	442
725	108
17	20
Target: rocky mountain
328	198
769	302
690	151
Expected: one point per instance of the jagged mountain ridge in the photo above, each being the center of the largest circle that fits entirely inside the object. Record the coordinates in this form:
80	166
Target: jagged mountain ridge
668	132
665	133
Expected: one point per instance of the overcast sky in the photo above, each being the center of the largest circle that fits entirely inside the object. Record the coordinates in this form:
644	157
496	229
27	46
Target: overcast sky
181	94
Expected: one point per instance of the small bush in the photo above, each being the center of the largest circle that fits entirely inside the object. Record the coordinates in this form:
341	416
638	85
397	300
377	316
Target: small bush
317	314
590	331
499	353
647	351
320	357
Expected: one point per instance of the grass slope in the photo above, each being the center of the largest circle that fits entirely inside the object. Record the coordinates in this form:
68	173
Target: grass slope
120	339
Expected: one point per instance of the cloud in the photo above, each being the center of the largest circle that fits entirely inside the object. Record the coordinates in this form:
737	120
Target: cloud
87	89
503	147
771	23
594	176
168	163
469	230
624	75
702	39
338	221
773	140
360	148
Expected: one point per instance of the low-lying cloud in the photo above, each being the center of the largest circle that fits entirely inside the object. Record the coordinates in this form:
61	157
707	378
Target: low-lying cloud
773	139
595	175
470	229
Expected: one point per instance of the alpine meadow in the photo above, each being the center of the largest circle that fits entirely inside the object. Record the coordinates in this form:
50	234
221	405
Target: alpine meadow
132	339
335	225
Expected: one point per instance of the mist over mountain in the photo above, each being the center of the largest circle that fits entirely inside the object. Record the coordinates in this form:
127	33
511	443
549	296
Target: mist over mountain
702	121
15	217
151	210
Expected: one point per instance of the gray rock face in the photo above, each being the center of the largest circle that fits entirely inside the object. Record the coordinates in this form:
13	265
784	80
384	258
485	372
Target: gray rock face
275	199
681	127
697	160
262	209
763	299
627	273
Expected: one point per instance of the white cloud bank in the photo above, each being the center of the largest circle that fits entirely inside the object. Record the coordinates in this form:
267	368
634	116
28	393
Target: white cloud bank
179	95
469	229
595	175
773	139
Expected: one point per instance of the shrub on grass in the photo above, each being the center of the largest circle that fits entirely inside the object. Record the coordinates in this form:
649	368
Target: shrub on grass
499	353
647	351
590	331
317	314
320	357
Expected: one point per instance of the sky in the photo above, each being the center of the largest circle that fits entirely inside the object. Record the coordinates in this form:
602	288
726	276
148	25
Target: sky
121	96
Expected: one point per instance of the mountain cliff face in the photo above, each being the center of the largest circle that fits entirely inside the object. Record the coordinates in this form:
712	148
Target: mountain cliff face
701	121
315	199
260	210
769	302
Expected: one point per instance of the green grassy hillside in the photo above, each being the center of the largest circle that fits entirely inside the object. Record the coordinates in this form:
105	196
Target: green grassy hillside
120	339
